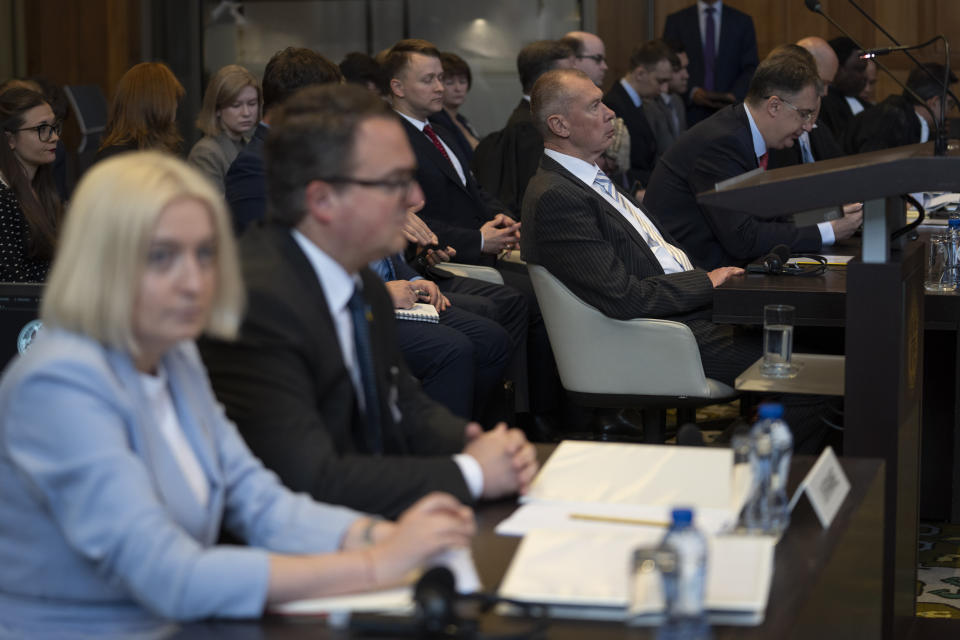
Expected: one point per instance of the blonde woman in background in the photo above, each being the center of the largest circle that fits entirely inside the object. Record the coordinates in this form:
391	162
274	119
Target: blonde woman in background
231	110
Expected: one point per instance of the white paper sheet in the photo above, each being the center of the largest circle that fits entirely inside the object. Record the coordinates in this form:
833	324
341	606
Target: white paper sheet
578	571
635	474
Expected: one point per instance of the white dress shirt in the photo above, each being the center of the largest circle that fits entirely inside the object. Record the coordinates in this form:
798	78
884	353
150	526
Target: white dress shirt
338	287
702	12
161	406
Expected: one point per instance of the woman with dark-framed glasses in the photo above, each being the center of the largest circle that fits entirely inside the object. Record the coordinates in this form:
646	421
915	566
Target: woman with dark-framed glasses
29	205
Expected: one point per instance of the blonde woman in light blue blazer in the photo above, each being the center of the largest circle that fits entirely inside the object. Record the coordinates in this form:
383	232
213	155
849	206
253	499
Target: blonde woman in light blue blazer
117	466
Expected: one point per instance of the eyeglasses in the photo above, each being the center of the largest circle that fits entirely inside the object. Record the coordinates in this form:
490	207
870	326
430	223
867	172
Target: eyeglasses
45	131
806	115
597	57
402	185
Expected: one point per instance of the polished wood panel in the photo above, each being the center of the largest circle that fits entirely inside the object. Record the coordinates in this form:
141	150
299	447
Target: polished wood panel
89	42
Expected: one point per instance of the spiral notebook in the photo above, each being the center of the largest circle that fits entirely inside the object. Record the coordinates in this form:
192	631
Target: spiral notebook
419	312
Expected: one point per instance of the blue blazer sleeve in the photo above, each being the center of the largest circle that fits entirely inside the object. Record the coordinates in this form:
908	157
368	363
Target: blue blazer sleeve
92	469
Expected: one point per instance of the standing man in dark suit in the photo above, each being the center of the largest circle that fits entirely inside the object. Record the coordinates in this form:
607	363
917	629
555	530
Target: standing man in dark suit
722	46
781	104
650	74
602	244
315	382
287	71
818	143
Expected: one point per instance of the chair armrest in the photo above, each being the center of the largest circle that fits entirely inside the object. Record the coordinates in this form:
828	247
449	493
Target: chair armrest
597	354
487	274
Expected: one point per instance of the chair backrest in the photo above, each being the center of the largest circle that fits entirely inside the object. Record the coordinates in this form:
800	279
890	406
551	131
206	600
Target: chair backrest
90	108
601	355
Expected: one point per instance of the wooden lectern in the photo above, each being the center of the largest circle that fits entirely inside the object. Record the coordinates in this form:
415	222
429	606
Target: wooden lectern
884	325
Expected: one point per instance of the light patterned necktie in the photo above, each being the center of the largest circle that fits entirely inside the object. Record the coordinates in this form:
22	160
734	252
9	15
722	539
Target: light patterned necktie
653	235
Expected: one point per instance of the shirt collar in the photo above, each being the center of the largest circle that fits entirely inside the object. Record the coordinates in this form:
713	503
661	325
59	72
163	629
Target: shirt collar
582	169
337	284
526	97
634	96
419	124
759	144
924	127
702	7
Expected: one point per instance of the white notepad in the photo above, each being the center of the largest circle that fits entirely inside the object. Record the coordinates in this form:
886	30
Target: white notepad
419	312
586	574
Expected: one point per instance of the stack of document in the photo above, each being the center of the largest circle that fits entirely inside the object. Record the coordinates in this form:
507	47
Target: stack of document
594	503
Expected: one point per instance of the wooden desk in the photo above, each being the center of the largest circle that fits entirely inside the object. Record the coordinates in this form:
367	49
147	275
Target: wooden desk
827	584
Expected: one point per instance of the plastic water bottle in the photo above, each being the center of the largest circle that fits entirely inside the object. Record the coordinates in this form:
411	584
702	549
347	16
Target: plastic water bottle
756	513
953	233
684	583
770	453
781	451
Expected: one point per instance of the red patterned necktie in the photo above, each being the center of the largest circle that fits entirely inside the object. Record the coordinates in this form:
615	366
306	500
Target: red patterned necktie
436	142
762	161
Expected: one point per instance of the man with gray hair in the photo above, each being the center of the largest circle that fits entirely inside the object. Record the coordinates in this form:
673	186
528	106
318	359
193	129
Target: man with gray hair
607	249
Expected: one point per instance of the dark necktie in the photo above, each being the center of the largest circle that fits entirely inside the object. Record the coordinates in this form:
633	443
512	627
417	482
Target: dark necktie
359	312
762	161
709	50
436	142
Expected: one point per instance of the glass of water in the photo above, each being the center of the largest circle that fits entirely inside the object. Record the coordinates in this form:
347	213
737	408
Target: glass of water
940	264
778	341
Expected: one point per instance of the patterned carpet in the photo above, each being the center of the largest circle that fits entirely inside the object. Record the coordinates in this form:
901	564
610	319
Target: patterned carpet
938	576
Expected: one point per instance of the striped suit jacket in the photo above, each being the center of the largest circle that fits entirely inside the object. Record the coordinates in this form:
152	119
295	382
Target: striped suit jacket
573	232
584	241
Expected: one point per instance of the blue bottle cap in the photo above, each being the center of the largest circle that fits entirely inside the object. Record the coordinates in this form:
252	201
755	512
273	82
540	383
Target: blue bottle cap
770	410
682	517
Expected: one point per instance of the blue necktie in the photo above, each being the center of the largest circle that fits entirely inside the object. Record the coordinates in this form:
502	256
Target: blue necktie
709	50
360	314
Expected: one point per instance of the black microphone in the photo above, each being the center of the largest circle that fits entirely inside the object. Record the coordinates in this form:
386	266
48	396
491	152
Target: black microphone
897	42
940	140
772	262
690	435
882	51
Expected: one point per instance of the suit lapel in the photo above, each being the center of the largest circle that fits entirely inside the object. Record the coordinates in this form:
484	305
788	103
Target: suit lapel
549	164
695	46
425	149
151	445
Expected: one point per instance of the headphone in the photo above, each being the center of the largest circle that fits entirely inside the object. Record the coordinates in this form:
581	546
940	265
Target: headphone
777	262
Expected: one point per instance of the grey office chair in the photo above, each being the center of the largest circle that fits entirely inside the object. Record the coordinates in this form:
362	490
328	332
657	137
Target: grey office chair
90	108
476	271
644	363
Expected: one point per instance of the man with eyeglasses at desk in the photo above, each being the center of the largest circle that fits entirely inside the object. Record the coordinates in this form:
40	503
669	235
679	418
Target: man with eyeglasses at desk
780	105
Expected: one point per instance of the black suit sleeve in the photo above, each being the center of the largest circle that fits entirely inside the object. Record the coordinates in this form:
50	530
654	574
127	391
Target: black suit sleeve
748	59
742	235
292	400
